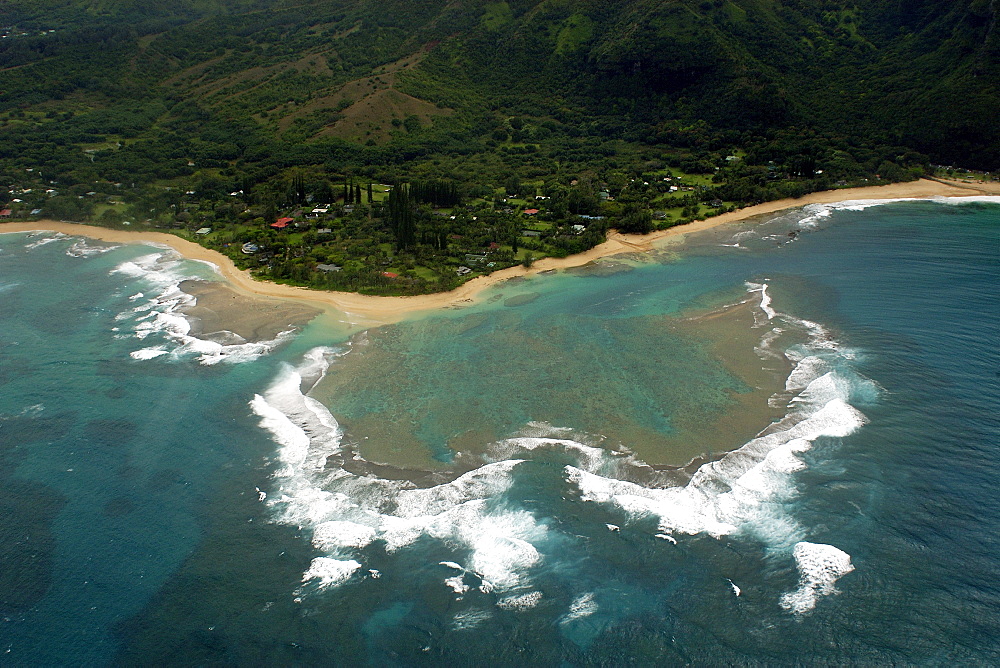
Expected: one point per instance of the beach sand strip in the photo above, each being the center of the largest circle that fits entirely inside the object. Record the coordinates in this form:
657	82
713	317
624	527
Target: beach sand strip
366	310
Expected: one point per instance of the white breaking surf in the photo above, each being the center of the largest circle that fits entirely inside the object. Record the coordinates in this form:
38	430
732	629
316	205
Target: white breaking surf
746	492
158	313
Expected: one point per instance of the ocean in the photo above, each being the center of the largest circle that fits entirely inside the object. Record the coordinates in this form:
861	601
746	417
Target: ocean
770	443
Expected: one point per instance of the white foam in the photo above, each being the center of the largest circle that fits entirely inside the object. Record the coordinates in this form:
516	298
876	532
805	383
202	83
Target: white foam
985	199
765	299
807	369
820	566
56	236
814	213
746	492
582	606
347	512
335	534
162	315
148	353
588	457
457	583
81	248
468	619
325	572
520	601
742	493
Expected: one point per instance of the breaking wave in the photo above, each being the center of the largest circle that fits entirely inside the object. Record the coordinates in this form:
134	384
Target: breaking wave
158	315
496	542
56	236
815	213
81	248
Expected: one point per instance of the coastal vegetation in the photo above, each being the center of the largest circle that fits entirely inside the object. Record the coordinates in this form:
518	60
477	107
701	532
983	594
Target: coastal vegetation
402	148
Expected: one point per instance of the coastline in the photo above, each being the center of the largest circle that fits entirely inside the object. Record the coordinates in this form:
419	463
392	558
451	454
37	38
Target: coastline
376	310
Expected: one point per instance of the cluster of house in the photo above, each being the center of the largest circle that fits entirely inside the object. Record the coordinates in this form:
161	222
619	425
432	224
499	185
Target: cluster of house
8	32
314	214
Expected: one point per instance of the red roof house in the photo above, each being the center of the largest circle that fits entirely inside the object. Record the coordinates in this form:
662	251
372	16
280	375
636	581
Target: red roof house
390	274
530	212
282	223
5	213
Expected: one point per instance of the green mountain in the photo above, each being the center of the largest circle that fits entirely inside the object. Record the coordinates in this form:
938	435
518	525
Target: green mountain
767	98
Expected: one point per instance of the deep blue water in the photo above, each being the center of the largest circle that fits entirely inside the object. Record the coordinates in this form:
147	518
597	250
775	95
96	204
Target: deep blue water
165	506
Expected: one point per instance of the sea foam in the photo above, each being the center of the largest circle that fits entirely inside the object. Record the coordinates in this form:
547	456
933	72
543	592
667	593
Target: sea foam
81	248
496	544
158	313
346	512
820	566
746	492
56	236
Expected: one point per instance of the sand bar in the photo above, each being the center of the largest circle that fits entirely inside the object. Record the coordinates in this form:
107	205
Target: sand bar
370	310
220	309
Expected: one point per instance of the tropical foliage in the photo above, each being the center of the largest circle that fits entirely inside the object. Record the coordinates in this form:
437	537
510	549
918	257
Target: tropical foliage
415	144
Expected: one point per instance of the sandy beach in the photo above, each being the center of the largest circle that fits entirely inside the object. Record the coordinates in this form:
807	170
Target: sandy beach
370	310
220	309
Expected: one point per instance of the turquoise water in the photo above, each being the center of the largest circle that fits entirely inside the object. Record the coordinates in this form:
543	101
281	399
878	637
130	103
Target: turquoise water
474	486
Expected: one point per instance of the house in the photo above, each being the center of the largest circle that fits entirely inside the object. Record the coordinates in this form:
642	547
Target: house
281	223
5	213
473	258
578	229
530	212
35	212
203	231
390	274
328	267
324	230
530	233
462	271
249	248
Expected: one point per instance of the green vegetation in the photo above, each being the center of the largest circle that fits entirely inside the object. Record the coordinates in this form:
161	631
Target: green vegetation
410	143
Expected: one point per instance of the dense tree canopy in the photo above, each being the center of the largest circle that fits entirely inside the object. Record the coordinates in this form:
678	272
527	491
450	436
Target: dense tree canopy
630	113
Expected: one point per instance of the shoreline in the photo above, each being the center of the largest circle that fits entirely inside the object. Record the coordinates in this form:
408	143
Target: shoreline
375	310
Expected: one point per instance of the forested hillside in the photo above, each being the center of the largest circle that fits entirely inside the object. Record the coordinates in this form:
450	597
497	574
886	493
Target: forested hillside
408	142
